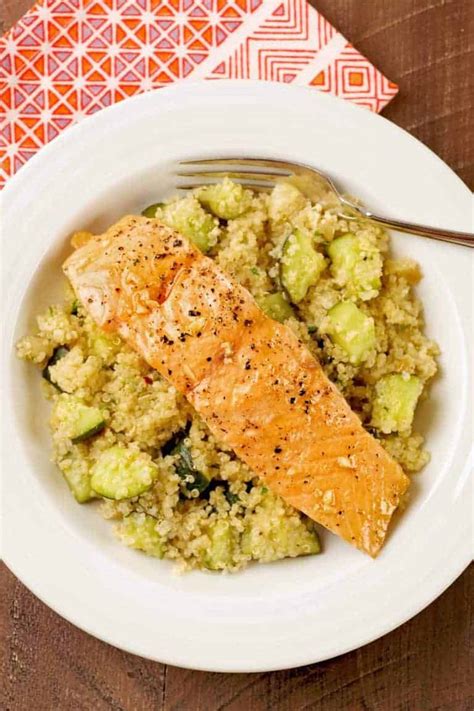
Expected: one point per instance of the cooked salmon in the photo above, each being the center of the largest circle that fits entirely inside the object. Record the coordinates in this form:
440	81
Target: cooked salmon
254	383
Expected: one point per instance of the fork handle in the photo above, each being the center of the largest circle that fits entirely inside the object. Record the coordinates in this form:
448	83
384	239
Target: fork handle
464	238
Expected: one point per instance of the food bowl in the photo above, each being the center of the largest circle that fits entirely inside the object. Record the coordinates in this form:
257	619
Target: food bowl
268	616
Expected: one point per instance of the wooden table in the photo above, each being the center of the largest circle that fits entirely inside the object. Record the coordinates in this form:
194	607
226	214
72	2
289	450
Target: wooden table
47	664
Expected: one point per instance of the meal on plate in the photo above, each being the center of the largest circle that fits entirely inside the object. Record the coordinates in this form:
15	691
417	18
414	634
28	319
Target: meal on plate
232	368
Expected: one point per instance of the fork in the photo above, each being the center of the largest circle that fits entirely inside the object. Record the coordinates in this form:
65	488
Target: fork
262	174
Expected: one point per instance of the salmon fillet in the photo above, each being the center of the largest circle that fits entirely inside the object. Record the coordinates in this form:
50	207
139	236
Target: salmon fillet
254	383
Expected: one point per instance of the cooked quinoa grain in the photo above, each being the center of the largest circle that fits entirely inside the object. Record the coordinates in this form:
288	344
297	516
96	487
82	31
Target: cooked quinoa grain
123	435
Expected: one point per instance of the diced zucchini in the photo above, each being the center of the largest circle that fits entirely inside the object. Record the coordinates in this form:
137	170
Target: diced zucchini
75	420
57	354
75	470
189	217
268	536
185	469
344	253
138	530
150	211
226	200
121	473
75	307
356	264
104	345
285	200
276	306
80	486
222	541
300	266
395	401
352	330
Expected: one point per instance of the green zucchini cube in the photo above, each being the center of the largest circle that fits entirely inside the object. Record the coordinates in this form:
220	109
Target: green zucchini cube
75	420
189	218
396	397
351	329
226	200
301	265
219	555
276	306
271	534
122	473
357	265
138	530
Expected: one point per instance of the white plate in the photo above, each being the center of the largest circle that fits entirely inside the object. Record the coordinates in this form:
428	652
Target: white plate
269	616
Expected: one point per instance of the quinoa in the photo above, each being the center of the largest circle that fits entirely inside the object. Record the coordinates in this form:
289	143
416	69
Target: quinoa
204	507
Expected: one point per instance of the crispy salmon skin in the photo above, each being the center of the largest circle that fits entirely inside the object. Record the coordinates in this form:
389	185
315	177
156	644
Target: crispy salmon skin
249	377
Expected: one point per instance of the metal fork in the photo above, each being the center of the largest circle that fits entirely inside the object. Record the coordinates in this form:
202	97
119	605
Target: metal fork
261	174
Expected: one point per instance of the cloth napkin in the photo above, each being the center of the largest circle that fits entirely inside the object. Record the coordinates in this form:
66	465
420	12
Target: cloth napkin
66	59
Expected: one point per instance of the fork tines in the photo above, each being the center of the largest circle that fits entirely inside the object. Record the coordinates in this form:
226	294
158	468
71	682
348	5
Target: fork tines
256	173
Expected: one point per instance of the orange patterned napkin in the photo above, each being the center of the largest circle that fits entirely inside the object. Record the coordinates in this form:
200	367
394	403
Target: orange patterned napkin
66	59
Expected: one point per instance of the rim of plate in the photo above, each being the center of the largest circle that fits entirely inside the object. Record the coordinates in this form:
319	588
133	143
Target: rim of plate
277	654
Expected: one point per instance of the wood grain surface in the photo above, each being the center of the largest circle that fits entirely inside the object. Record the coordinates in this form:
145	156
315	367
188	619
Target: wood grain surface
47	664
